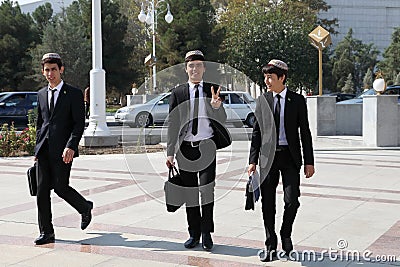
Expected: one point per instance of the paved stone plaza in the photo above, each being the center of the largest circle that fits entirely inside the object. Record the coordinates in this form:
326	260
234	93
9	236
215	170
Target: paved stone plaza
352	202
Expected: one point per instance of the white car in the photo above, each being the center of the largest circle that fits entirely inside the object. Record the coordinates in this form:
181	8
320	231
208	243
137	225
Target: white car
239	107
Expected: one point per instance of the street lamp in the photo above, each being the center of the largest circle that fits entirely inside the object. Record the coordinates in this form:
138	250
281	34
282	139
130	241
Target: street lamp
151	19
379	84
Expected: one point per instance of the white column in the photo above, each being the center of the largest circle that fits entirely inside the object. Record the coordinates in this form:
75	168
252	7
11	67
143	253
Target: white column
380	120
97	120
322	115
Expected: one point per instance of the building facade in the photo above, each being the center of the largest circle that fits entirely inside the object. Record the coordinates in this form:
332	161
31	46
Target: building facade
28	6
372	21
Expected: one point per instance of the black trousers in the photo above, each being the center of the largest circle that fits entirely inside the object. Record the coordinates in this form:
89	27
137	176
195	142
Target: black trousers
283	164
53	173
197	168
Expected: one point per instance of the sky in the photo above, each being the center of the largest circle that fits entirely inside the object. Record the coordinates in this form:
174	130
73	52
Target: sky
22	2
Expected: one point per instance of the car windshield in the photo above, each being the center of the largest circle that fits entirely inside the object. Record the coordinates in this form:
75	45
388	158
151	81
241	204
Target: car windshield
3	95
155	100
248	98
368	92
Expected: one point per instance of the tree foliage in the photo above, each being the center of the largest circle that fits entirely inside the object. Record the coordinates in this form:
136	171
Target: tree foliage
67	35
193	27
348	87
390	65
352	56
258	31
368	79
397	80
135	41
70	35
17	36
42	16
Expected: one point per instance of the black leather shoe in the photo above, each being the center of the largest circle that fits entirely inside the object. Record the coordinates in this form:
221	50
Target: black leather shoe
191	242
87	216
287	245
207	242
45	239
266	255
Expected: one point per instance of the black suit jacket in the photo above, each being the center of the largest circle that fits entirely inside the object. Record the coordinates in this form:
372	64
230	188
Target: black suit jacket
179	116
296	129
64	128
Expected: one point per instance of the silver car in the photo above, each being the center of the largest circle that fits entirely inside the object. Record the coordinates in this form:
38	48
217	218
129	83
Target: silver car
239	108
390	90
154	111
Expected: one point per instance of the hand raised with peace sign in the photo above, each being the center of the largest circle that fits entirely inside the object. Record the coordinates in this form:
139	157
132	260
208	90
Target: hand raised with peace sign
215	100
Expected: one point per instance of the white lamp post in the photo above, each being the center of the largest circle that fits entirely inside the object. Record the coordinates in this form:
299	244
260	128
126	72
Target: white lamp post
97	133
151	19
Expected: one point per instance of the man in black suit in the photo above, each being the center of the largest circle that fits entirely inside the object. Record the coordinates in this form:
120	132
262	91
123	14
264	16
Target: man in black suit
280	116
60	125
196	116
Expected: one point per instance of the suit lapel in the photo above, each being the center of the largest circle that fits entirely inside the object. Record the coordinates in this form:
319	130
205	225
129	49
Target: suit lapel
186	95
206	90
61	95
288	107
270	100
207	95
43	98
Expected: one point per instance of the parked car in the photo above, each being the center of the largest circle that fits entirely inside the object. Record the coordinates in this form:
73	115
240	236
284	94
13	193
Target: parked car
14	107
342	97
239	107
390	90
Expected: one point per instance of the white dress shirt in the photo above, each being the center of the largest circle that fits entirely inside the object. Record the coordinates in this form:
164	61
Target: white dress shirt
204	129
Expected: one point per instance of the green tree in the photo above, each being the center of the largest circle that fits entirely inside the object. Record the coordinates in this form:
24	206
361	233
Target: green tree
348	87
397	80
258	31
114	26
368	79
17	36
135	41
42	16
390	65
193	27
352	56
341	68
70	35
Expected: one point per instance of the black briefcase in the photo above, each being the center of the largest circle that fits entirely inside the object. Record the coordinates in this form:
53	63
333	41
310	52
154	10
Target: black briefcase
174	191
252	193
32	179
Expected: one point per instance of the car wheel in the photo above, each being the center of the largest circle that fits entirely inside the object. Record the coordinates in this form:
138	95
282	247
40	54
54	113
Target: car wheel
250	120
144	119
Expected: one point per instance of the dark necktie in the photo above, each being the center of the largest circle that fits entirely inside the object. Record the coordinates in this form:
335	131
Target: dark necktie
277	117
195	122
52	101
